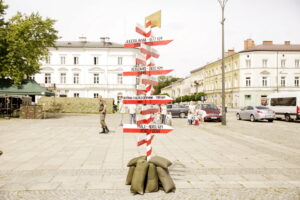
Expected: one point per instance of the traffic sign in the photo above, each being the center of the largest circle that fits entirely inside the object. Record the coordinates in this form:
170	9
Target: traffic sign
147	128
157	99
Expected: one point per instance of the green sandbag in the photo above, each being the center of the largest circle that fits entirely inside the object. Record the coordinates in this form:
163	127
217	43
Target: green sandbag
160	162
133	161
165	179
129	175
139	177
152	179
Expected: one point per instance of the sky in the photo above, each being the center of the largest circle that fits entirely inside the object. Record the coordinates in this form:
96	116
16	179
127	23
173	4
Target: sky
194	25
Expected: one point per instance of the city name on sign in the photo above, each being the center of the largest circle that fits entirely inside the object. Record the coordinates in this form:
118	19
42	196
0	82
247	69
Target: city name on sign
156	99
142	40
147	128
153	68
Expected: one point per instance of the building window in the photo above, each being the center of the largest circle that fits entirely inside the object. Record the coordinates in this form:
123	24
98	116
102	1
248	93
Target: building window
47	78
96	78
297	63
63	78
120	79
76	60
76	94
248	81
265	63
76	78
62	60
96	60
120	60
296	81
48	60
282	81
248	63
264	81
282	63
96	95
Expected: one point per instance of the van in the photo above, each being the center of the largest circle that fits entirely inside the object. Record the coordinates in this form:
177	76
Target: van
285	105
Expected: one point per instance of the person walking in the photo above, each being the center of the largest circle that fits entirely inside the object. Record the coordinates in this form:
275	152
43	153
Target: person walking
132	114
102	111
163	113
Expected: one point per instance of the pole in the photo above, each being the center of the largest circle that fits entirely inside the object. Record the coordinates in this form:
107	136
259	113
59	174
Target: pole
223	3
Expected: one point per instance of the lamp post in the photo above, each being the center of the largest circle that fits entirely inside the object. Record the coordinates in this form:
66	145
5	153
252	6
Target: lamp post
222	4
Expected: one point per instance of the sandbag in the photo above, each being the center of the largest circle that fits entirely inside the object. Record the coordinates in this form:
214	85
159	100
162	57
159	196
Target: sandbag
139	176
152	179
129	175
160	162
133	161
165	179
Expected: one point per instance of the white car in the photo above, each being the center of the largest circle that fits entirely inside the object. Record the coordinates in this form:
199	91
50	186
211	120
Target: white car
254	113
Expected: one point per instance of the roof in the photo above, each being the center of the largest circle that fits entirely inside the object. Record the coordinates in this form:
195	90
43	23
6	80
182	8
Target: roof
28	87
274	47
87	44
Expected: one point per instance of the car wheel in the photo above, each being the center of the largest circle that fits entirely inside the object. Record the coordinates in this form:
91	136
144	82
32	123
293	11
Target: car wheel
252	118
182	115
287	117
270	120
238	117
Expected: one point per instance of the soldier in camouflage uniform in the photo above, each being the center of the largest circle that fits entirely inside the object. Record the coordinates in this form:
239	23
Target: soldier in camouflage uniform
102	110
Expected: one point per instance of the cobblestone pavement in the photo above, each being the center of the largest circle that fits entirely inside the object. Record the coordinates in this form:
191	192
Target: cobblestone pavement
66	158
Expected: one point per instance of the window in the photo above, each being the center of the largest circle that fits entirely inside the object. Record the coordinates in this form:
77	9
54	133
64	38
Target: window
62	60
296	81
47	78
248	81
120	79
265	62
282	63
32	77
286	101
264	81
96	95
96	60
248	63
297	63
96	78
120	60
63	78
48	60
282	81
76	78
76	94
76	60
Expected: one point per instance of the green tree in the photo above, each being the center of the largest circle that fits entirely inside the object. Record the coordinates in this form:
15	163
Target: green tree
24	43
164	81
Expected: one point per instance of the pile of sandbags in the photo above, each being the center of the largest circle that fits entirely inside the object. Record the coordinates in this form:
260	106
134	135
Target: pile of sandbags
149	176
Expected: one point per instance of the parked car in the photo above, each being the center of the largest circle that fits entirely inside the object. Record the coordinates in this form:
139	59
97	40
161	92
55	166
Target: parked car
254	113
210	112
178	110
285	104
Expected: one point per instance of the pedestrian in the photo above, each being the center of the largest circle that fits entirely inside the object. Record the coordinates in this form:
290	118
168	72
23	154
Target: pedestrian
163	109
169	119
132	114
102	111
190	118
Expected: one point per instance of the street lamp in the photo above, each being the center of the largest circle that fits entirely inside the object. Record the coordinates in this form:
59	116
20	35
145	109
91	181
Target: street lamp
222	4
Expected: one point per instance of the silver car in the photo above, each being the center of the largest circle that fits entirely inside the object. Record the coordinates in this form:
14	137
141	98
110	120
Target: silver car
254	113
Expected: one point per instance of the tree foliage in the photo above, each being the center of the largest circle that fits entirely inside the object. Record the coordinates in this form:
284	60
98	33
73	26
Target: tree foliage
24	43
164	81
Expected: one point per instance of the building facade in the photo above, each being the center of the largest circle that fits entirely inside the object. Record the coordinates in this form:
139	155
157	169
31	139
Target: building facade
250	75
88	69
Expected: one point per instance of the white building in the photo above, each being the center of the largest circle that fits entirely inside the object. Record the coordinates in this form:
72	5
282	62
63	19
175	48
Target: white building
250	75
89	69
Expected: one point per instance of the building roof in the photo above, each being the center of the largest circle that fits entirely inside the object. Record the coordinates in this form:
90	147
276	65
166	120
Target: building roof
87	44
273	47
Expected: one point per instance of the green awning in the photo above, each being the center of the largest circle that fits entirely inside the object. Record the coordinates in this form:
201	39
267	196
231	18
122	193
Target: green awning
27	87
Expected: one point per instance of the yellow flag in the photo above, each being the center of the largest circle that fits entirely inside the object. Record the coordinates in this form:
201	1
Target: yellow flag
155	19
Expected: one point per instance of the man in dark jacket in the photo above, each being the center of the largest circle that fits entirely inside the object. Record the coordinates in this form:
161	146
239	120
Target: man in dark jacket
102	110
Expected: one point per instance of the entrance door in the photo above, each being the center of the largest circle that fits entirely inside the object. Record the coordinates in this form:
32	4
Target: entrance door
247	100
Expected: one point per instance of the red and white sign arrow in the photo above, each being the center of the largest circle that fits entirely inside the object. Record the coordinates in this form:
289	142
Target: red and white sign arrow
148	51
141	30
156	99
143	89
152	43
147	72
149	109
147	128
144	119
148	80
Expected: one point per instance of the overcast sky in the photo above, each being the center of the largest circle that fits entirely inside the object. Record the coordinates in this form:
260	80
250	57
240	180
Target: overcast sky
194	25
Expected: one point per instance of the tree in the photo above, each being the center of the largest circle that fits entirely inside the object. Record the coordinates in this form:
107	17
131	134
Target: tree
164	81
24	43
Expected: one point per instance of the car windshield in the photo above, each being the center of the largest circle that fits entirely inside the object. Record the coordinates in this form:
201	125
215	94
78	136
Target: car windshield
209	106
261	108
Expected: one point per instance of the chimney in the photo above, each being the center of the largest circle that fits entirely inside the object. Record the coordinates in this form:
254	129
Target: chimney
230	52
102	39
82	39
287	42
267	42
249	44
